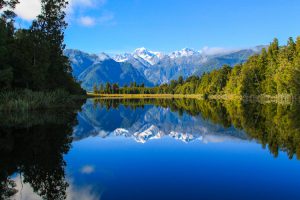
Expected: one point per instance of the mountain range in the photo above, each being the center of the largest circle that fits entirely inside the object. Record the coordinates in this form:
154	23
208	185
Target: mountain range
149	67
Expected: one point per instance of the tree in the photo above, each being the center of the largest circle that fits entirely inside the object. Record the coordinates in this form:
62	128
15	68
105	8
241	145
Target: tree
233	84
108	88
6	70
10	5
180	80
51	23
115	88
269	83
287	72
6	41
49	27
95	89
101	90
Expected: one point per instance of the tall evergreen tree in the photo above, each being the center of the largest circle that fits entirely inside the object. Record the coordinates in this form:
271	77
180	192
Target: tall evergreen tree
6	41
270	86
50	26
6	70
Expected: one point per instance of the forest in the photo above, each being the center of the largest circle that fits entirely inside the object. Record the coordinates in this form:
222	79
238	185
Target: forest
33	58
273	72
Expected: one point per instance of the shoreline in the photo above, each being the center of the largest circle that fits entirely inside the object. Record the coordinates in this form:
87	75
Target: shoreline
144	96
283	99
28	100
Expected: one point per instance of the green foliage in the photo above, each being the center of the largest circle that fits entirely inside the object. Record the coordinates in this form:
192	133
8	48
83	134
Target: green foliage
234	82
25	100
6	38
33	58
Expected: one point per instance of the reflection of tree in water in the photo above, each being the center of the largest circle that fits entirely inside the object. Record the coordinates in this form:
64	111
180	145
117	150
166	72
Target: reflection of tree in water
36	152
276	126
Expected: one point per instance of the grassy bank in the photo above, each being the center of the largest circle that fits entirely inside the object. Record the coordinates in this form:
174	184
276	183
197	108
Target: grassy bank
282	99
261	98
26	100
137	96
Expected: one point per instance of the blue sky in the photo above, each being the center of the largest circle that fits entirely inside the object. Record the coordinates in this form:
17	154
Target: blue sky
116	26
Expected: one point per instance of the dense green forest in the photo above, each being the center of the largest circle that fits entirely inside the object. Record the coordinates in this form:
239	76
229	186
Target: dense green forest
33	58
273	72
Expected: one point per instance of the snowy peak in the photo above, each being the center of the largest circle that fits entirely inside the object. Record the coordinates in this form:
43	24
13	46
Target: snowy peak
186	52
141	54
149	56
153	57
122	57
103	56
142	51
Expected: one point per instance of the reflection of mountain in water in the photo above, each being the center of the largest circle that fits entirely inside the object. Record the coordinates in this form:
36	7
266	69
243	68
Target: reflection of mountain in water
149	122
275	126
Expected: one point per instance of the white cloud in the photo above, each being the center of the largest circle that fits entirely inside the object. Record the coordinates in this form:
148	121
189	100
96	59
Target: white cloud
81	5
88	169
86	192
28	9
106	17
25	191
87	21
211	51
86	3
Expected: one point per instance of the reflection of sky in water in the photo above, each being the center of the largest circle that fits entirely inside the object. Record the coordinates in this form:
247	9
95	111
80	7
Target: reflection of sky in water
155	154
86	192
170	169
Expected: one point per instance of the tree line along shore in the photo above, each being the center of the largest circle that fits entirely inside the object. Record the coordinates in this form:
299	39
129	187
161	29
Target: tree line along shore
274	73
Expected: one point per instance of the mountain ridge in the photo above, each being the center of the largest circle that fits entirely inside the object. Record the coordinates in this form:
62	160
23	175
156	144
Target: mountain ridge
151	67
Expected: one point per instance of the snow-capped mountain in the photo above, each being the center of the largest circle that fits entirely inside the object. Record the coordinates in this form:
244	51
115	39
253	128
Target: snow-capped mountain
153	57
186	52
160	68
123	57
103	56
145	56
150	56
151	67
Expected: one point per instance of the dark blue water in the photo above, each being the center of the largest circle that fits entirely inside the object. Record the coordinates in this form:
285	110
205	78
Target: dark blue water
155	152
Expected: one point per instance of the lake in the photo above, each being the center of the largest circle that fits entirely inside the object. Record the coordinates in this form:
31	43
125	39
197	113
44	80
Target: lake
152	149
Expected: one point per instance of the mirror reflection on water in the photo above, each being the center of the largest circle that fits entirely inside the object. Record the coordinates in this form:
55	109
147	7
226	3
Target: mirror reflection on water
152	149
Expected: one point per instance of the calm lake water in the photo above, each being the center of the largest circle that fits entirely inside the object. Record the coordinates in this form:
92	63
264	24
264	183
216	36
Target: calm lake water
152	149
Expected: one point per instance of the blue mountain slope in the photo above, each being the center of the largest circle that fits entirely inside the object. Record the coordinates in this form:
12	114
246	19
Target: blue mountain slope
113	72
80	60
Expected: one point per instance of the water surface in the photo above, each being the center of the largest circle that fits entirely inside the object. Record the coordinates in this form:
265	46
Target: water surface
152	149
